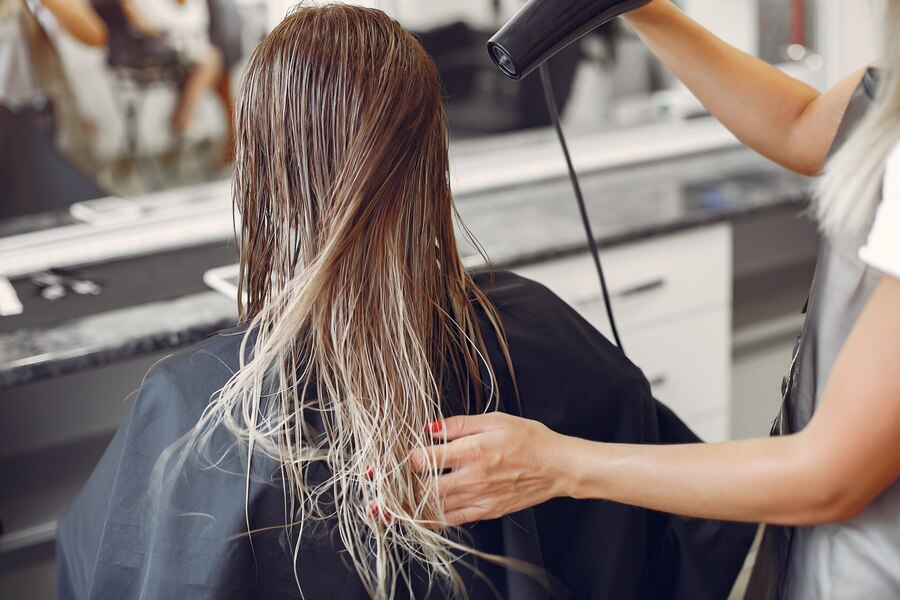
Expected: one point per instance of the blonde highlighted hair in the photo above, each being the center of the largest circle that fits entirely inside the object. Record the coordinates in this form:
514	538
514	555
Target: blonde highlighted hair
360	313
850	189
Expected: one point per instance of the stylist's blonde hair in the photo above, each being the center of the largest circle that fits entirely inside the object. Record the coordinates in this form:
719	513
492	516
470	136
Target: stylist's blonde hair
850	190
360	311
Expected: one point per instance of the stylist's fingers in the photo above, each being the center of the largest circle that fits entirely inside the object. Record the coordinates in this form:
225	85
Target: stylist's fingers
471	480
468	490
464	425
464	500
465	515
425	459
441	456
456	482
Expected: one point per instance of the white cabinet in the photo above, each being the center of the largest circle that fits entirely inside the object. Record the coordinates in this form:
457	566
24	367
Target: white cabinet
672	302
688	364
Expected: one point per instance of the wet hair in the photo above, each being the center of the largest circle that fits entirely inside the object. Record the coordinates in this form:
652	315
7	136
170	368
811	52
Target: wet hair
359	309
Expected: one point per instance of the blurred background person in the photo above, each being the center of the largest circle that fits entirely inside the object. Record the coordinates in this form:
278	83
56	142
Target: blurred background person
205	35
33	84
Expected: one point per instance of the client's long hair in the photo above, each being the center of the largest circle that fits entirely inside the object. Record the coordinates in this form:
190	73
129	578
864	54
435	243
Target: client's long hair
360	311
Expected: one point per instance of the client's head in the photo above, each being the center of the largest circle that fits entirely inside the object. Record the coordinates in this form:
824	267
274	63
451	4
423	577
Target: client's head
360	312
342	155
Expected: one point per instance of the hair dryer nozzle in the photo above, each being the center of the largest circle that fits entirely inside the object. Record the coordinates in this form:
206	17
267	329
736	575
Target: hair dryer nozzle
544	27
503	60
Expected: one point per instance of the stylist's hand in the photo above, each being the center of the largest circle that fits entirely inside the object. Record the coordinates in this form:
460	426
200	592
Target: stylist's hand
499	464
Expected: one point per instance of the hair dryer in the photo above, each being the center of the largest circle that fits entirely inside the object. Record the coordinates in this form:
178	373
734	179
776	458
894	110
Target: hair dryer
544	27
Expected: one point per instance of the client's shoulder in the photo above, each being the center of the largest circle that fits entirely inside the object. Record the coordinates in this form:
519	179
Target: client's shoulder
509	291
535	317
188	378
525	303
222	348
568	375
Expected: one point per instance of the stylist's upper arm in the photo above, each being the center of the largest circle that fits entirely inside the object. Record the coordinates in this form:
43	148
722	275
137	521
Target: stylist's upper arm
857	426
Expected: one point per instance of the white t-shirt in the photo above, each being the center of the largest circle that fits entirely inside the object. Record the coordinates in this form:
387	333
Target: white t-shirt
186	24
882	250
18	82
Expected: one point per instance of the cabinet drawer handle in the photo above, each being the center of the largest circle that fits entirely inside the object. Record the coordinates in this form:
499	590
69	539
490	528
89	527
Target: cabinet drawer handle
630	292
658	381
641	288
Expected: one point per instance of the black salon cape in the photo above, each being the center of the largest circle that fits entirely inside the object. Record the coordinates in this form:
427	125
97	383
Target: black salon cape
120	541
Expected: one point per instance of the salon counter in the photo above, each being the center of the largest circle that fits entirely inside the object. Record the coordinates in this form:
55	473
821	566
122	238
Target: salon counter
667	227
517	224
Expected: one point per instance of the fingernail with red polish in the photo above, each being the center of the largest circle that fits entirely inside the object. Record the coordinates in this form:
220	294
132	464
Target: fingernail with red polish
369	473
435	426
373	510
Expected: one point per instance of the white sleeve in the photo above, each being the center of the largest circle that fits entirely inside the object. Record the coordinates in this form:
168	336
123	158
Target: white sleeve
882	250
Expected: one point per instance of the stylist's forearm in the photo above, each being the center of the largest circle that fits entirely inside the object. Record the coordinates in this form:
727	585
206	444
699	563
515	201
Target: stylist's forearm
755	480
762	106
80	20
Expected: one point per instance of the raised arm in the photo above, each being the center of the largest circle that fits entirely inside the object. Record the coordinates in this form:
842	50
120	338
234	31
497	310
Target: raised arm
780	117
830	471
139	21
80	20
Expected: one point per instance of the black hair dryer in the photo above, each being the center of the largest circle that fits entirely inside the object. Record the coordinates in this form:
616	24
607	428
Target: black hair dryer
544	27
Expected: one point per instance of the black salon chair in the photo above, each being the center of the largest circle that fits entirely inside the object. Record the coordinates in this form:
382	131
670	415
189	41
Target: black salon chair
139	64
34	176
481	100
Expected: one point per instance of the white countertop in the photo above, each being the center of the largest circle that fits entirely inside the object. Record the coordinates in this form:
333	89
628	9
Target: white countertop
204	214
526	157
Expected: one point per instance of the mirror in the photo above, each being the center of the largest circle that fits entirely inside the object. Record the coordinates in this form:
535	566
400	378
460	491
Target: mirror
788	37
145	107
119	98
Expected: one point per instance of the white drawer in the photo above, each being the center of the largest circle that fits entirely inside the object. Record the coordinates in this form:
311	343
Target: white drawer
649	281
687	362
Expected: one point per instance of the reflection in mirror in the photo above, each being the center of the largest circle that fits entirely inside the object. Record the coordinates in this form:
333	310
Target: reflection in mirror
135	94
607	79
44	153
787	36
120	98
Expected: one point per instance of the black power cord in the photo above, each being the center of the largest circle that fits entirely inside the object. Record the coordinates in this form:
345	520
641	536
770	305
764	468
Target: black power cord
591	240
